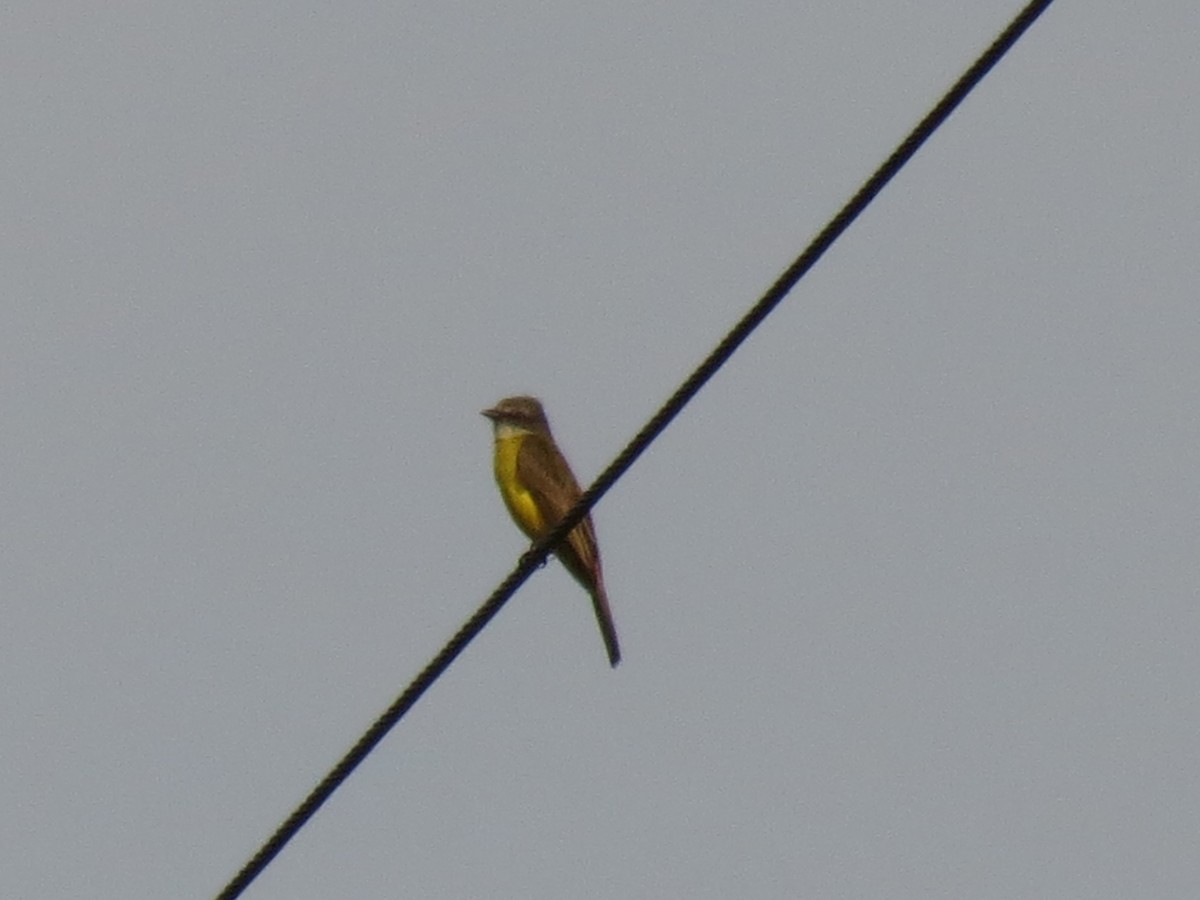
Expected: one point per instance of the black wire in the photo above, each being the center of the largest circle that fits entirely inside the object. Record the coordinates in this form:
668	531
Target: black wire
538	553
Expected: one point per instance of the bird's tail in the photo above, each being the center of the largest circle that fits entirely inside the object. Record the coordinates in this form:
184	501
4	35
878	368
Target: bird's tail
605	620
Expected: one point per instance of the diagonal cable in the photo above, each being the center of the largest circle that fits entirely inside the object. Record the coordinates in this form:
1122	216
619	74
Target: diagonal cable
538	553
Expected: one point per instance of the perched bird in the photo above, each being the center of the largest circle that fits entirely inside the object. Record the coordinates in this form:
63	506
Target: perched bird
538	488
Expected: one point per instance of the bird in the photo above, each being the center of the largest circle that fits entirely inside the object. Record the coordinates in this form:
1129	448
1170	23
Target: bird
538	488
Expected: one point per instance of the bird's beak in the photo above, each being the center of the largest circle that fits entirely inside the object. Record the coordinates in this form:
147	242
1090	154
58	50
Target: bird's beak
490	413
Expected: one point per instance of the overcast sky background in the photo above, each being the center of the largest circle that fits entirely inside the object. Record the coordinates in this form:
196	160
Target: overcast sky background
907	597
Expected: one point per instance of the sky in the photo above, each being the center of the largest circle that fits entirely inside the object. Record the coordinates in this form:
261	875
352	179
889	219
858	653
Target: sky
908	595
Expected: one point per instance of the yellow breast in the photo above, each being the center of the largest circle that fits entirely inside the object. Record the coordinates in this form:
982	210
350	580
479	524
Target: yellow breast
520	502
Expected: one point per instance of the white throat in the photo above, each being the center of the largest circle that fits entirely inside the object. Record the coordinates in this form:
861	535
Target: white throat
505	430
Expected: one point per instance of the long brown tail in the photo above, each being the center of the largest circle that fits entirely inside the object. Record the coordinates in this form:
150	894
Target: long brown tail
605	620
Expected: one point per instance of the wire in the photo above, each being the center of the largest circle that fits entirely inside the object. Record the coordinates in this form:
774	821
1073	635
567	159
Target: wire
539	552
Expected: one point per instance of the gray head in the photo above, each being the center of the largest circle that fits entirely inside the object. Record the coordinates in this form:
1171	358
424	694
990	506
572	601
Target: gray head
524	413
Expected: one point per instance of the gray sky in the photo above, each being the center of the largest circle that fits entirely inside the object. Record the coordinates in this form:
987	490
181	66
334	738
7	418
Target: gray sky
908	596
